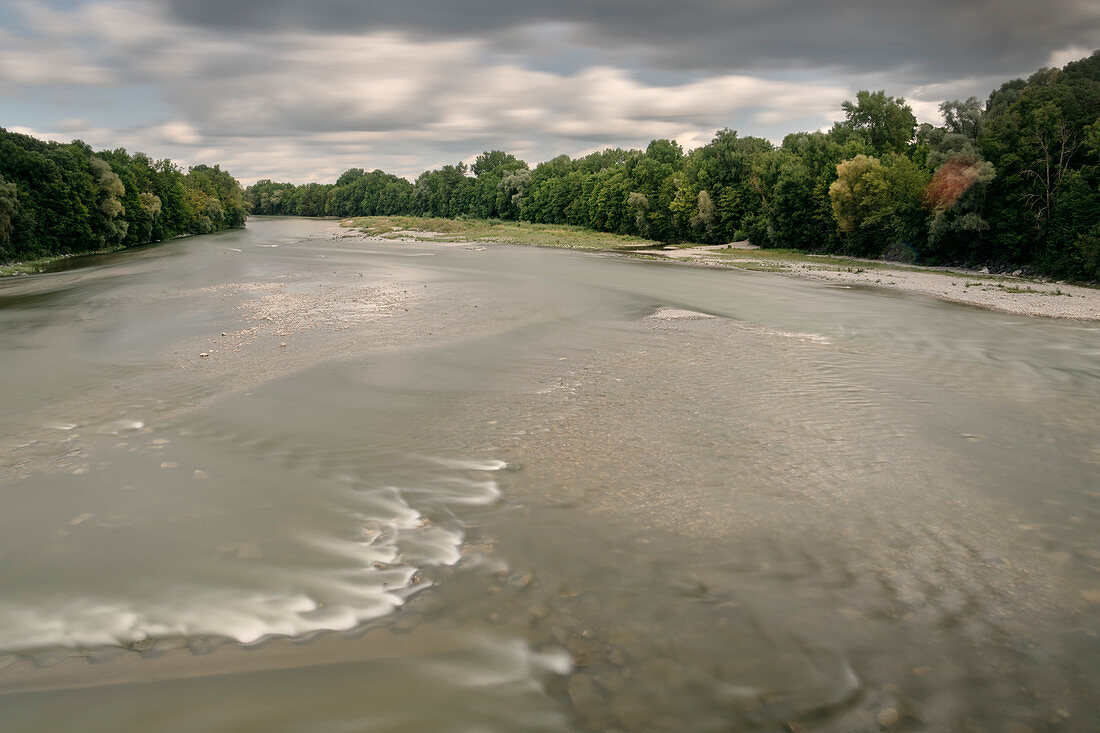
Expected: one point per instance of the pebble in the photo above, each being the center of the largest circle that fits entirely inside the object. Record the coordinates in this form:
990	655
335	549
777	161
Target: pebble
586	652
888	718
520	580
141	645
584	694
631	711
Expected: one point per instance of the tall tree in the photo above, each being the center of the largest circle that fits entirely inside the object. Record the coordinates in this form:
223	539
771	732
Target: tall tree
963	118
876	203
9	207
887	122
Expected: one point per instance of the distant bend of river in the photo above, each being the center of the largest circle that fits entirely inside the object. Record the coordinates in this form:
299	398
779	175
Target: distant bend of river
273	480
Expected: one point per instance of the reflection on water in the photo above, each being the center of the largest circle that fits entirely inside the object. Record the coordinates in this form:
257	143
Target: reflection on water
312	485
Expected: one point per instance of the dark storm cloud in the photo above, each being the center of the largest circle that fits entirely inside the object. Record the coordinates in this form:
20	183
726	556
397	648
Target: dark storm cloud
922	39
300	91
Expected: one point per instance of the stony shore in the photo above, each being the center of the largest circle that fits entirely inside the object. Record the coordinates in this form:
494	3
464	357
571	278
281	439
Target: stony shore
1018	295
1005	293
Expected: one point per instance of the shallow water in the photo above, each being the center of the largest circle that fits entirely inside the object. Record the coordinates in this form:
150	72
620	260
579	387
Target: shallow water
417	487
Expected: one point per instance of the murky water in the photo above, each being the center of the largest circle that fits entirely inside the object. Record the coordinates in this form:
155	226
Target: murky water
269	480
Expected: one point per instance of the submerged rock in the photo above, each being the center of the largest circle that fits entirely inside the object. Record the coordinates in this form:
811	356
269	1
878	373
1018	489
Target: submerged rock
888	717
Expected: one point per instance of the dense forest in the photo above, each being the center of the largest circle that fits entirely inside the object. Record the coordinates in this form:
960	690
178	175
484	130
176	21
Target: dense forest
1012	183
60	199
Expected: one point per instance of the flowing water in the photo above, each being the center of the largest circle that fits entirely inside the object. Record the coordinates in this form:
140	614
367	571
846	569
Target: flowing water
273	480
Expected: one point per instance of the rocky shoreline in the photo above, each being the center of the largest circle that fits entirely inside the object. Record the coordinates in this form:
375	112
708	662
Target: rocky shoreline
1006	293
1016	294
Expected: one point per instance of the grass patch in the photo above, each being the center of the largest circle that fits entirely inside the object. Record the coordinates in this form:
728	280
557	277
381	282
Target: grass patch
494	230
570	237
42	264
1028	289
836	263
794	257
31	267
762	266
20	268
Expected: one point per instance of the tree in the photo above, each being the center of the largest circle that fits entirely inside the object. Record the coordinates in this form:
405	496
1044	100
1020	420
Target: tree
887	122
512	188
9	207
1055	143
1046	196
703	219
350	176
876	203
492	161
639	204
150	206
963	118
794	222
955	199
112	227
953	180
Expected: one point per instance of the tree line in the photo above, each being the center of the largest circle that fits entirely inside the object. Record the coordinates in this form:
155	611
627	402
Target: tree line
1011	182
67	199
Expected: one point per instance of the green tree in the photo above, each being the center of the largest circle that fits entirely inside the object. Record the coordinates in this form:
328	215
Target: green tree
1046	195
963	118
350	176
112	227
887	122
493	161
794	218
9	207
876	203
955	200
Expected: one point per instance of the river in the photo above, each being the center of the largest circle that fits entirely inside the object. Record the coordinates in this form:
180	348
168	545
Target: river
272	480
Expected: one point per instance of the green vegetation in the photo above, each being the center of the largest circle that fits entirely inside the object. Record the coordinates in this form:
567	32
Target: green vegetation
24	268
1026	289
64	199
779	259
1011	183
42	264
496	230
569	237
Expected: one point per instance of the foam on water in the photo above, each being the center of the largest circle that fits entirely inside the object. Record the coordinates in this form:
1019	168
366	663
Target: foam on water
467	465
121	427
355	580
813	338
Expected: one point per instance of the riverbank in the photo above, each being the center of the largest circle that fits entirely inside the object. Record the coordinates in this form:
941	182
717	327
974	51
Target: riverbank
547	491
1017	295
42	264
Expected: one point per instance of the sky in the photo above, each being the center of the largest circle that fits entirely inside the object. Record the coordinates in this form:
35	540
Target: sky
301	91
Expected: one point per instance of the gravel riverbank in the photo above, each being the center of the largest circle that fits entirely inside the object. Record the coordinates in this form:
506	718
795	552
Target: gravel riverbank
1022	296
1017	295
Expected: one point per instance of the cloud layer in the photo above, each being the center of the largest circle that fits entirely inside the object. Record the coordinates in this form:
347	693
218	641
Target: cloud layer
301	91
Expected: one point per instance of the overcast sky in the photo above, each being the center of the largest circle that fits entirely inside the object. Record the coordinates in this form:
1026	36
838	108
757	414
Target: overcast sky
301	91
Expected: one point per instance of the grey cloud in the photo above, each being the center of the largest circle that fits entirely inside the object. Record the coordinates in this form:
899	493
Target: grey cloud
922	39
301	91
